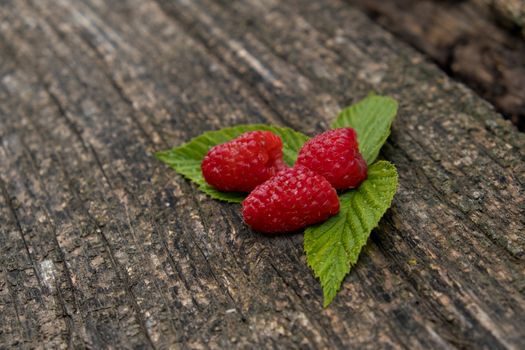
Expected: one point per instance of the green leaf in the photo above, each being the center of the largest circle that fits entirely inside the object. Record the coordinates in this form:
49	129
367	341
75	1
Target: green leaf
333	246
186	159
371	118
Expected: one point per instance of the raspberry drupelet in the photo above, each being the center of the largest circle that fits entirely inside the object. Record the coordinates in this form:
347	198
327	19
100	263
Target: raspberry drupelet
335	155
244	162
293	199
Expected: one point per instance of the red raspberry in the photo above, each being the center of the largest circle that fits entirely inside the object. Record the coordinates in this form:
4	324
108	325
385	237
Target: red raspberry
335	155
292	199
244	162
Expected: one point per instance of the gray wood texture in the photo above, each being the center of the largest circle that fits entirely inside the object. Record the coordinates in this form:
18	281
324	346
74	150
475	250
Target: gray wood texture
102	246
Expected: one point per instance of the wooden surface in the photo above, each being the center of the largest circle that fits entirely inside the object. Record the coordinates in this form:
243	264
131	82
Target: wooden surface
480	42
102	246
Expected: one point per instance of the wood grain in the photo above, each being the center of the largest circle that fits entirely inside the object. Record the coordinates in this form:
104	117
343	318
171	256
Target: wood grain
480	42
101	246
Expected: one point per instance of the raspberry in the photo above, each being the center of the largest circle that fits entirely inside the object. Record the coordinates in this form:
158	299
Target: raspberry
244	162
335	155
292	199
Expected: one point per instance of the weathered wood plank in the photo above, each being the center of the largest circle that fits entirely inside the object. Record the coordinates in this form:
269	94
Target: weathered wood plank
510	12
102	246
469	39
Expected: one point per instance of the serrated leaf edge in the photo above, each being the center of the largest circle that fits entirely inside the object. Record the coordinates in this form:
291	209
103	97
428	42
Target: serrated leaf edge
328	298
230	133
